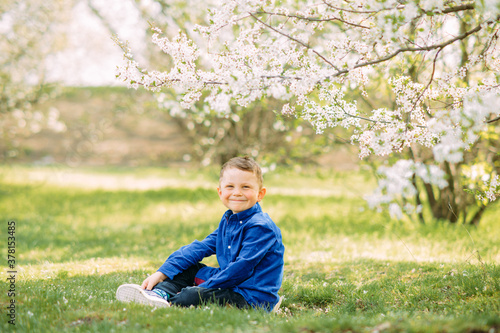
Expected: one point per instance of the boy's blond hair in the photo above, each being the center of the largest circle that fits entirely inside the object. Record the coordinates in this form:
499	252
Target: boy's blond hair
244	163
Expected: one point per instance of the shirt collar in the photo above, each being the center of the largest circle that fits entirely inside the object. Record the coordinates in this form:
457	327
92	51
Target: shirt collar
241	216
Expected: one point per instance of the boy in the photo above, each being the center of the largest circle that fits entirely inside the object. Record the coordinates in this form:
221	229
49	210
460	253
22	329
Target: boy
247	244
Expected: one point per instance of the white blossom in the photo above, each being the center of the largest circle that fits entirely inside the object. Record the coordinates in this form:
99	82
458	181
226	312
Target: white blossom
493	189
396	183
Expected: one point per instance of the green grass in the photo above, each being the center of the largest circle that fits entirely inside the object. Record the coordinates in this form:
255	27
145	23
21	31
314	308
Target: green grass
347	268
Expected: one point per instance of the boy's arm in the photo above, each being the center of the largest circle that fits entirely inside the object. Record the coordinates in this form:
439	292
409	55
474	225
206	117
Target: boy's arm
189	255
258	240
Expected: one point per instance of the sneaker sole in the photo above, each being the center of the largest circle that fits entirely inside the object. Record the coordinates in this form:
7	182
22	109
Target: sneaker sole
134	293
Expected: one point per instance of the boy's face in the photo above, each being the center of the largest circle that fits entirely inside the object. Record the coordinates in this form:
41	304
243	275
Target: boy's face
239	190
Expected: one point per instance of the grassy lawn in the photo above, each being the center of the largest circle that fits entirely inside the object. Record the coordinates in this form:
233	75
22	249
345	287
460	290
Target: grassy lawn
82	233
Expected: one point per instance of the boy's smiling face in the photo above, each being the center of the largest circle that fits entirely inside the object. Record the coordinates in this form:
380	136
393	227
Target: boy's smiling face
239	190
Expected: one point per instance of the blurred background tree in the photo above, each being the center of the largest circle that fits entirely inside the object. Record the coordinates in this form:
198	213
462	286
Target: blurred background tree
256	130
30	31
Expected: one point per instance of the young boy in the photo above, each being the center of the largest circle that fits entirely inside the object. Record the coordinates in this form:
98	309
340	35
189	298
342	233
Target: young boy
247	244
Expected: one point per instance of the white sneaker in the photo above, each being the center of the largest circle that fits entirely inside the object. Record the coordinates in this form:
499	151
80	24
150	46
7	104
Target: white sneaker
134	293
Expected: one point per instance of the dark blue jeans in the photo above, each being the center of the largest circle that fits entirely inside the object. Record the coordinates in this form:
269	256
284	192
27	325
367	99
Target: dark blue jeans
183	292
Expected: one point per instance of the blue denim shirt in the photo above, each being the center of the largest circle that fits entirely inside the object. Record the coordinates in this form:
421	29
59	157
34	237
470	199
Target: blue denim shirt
249	250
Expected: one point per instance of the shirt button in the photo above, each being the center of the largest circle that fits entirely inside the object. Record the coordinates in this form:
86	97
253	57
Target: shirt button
229	247
241	222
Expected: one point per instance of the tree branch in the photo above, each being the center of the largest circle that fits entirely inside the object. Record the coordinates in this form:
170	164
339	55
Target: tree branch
493	120
295	40
367	119
416	49
458	8
400	6
355	11
429	83
395	53
313	19
380	60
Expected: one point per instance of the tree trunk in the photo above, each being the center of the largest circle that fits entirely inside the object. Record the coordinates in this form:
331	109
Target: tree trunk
477	217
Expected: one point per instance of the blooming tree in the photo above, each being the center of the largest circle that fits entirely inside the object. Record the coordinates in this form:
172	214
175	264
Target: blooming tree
29	31
253	130
440	59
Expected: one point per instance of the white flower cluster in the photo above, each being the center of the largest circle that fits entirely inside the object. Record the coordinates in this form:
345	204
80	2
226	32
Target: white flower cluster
459	128
396	185
331	111
493	189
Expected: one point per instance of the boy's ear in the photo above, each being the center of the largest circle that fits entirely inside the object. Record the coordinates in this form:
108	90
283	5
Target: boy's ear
262	194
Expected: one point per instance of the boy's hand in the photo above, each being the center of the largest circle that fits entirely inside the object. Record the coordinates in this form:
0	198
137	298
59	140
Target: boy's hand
153	280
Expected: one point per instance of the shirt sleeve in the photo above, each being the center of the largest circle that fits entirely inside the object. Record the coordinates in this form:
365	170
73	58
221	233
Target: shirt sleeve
256	244
189	255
